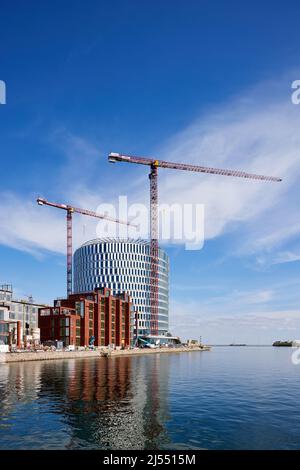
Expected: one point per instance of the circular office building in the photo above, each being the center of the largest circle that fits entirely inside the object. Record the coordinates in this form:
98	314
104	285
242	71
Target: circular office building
124	266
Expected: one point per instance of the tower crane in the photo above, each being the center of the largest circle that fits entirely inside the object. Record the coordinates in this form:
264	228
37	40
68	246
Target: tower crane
154	164
70	210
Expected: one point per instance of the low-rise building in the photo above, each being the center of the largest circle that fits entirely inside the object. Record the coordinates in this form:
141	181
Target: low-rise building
10	331
83	319
4	313
23	310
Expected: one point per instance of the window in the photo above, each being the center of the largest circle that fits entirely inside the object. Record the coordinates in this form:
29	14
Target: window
4	328
79	307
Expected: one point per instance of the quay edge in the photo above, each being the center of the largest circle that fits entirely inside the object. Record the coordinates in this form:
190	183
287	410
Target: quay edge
105	352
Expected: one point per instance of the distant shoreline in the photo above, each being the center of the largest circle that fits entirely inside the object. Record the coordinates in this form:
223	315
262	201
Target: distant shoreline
241	345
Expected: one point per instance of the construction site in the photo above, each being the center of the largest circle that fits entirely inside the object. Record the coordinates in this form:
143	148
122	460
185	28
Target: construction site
117	291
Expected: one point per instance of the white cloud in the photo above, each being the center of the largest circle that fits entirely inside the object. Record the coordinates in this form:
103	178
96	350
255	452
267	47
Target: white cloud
286	257
253	133
236	315
222	326
34	229
264	140
28	227
25	226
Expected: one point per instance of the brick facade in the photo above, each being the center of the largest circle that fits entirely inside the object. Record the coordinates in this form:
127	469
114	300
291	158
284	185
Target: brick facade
79	317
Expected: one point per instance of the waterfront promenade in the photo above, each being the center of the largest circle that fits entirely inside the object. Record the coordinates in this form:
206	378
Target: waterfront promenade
104	352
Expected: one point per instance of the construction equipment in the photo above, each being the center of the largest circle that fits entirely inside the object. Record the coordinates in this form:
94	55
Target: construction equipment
70	209
153	176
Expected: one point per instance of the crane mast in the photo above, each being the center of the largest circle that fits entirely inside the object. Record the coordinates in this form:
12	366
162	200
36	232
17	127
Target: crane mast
153	176
154	267
69	251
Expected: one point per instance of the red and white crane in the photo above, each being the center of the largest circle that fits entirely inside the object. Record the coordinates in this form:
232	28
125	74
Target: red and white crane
153	176
70	209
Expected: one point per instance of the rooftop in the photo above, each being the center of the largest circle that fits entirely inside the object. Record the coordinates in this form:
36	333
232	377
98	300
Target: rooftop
138	241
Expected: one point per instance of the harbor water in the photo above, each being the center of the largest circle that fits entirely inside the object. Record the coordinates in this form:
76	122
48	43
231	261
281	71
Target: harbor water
227	398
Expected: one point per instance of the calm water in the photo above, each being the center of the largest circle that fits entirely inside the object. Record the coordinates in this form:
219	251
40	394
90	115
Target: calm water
229	398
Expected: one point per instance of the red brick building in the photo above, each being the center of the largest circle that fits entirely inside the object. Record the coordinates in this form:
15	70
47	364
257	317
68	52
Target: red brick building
80	317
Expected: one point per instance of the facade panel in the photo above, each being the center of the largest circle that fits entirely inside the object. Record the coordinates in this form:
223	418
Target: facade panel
124	266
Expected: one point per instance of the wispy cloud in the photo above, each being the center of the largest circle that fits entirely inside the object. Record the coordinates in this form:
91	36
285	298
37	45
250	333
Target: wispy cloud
263	139
256	315
28	227
286	257
252	326
255	133
25	227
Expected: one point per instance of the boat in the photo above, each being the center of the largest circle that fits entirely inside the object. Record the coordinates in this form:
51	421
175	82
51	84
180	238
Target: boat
287	344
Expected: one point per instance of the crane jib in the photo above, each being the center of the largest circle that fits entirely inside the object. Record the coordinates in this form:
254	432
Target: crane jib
188	167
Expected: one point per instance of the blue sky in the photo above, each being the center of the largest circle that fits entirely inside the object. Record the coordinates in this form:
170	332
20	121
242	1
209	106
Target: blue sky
195	81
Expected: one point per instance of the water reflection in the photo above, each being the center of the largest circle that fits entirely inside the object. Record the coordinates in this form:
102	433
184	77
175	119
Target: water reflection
115	403
229	398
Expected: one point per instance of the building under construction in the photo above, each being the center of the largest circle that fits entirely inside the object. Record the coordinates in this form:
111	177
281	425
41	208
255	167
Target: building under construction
10	331
125	266
24	311
138	268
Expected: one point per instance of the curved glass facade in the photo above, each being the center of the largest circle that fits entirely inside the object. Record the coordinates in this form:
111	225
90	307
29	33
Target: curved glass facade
124	266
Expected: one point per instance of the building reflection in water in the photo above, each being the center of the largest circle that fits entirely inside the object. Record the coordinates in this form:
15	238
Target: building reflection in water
107	403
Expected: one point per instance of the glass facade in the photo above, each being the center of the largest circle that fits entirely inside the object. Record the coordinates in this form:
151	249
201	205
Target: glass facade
124	266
